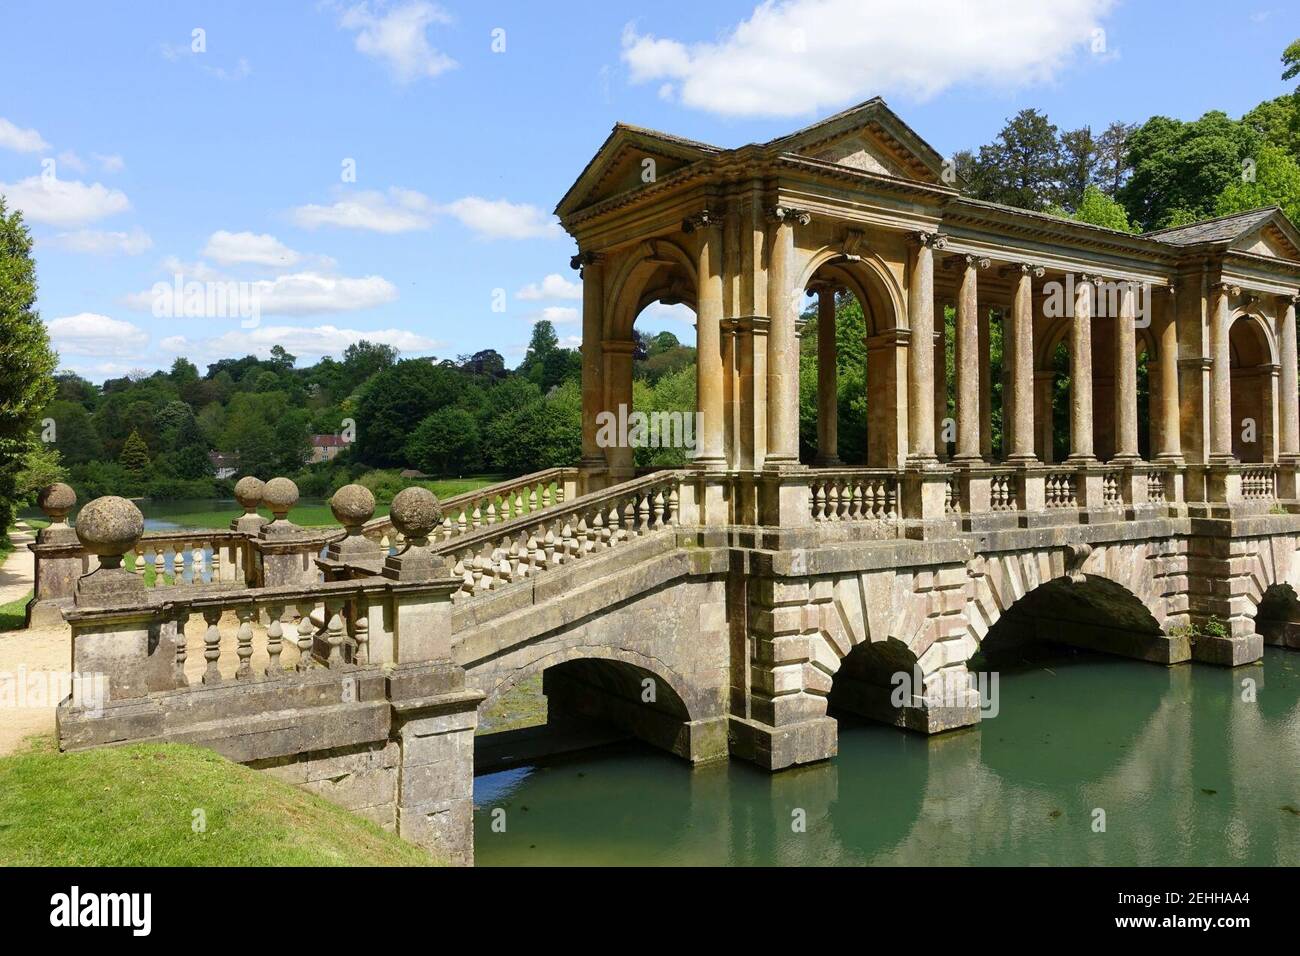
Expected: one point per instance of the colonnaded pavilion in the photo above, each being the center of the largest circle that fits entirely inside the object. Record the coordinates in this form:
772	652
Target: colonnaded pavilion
859	203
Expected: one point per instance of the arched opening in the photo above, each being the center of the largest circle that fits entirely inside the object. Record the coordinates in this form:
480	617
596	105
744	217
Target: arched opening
578	705
1251	385
649	361
861	398
1277	618
1084	611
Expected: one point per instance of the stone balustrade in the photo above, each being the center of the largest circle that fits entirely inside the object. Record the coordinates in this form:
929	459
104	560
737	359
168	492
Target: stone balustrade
854	494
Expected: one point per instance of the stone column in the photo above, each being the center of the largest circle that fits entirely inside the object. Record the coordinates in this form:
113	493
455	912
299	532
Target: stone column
1081	449
783	342
708	337
1220	376
619	456
940	377
970	376
985	383
920	365
1022	369
1171	439
827	385
592	271
1126	438
1289	403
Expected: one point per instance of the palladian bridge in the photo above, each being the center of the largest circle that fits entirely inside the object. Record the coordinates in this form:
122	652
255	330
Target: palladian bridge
732	607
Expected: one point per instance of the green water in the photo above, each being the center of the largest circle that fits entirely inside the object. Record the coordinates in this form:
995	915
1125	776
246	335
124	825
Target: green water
1187	772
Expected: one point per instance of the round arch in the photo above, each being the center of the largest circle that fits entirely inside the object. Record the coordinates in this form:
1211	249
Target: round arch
660	266
1252	384
868	278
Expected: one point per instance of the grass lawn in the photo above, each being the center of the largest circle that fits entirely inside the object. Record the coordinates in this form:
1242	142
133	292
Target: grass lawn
136	806
13	616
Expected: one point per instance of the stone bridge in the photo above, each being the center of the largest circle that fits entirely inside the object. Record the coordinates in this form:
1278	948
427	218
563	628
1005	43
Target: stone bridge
1072	434
356	661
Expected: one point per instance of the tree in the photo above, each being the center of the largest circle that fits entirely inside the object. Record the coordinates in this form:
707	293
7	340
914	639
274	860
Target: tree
41	468
1112	157
395	400
282	359
446	442
26	361
1020	168
1100	210
1291	60
1180	168
1078	167
1278	121
135	455
1275	182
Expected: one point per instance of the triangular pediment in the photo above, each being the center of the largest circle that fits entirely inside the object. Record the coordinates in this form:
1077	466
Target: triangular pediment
630	159
1272	240
868	137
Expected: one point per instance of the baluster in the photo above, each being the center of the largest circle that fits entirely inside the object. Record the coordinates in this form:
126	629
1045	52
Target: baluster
361	631
535	555
138	566
274	639
657	511
629	518
643	512
599	540
476	517
334	631
245	641
818	502
532	499
461	522
559	491
305	634
674	501
212	646
492	512
547	500
181	650
855	505
519	503
613	525
215	569
584	537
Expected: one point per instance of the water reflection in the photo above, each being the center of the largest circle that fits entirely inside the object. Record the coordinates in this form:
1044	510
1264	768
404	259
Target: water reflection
1185	771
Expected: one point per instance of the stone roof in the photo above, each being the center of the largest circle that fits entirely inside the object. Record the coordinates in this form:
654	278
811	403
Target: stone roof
1222	229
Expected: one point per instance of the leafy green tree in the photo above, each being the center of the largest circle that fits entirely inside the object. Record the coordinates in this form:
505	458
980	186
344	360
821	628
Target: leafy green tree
395	400
26	361
1020	168
41	468
135	455
1098	209
1078	166
1180	168
74	432
446	442
1276	182
1278	121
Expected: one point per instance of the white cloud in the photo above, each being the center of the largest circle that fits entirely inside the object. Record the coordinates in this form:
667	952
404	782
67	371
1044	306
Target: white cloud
97	243
501	219
247	248
793	57
64	202
313	341
299	293
554	286
74	162
398	210
408	210
19	139
398	38
657	312
556	314
88	333
109	162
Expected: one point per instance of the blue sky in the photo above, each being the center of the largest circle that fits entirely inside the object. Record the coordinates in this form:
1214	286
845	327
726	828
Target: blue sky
227	163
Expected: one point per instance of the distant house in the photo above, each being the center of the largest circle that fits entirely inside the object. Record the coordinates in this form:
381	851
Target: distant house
325	447
225	464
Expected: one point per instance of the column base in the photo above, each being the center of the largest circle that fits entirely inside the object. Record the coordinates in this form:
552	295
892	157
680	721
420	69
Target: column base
776	748
1228	651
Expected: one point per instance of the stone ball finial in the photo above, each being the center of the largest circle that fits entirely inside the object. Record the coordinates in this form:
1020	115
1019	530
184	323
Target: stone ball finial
109	527
352	505
249	492
415	512
280	494
56	501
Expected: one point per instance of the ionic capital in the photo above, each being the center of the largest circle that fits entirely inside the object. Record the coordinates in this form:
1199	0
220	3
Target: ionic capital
585	259
935	240
703	218
1023	269
977	262
789	214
